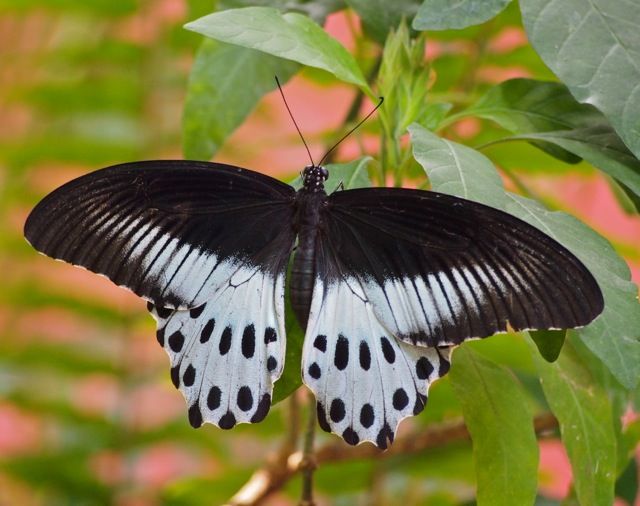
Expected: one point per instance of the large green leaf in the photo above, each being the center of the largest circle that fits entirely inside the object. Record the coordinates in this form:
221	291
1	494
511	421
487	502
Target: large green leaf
225	85
498	417
456	169
593	46
586	424
546	113
380	16
291	36
614	335
444	14
601	147
318	10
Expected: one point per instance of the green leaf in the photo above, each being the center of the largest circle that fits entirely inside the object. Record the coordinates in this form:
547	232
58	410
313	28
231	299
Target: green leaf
498	417
318	10
444	14
584	413
379	17
614	335
593	46
601	147
291	377
215	107
546	114
456	169
291	36
549	342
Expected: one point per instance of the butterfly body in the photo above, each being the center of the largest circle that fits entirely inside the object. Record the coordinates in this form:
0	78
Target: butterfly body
310	201
384	281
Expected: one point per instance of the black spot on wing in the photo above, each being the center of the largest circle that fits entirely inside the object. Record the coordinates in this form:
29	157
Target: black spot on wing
424	368
176	341
314	371
350	436
197	311
365	356
270	335
385	437
228	421
322	418
245	398
249	341
320	343
400	399
225	341
262	410
337	411
160	336
207	330
272	363
367	416
175	376
195	416
214	397
421	402
189	376
341	358
387	350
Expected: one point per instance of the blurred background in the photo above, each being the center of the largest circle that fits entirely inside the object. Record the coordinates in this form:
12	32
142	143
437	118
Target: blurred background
88	414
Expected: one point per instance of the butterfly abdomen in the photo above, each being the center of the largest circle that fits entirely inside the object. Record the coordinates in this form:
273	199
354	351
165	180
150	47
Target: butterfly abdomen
302	270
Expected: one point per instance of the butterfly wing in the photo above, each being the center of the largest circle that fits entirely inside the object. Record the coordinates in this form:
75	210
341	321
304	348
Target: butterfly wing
207	245
439	269
397	268
174	232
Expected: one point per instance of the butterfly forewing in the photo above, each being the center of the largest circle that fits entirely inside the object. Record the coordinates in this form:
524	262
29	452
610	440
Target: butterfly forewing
207	245
438	269
173	232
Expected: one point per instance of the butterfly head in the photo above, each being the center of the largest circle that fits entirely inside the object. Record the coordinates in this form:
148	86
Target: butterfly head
313	178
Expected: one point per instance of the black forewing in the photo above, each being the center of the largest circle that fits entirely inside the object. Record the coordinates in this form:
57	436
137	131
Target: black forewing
171	231
439	269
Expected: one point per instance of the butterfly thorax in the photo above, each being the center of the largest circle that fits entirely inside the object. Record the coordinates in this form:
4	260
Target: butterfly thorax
310	202
313	178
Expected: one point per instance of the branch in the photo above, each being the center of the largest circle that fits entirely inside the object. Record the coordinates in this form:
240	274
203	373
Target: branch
279	471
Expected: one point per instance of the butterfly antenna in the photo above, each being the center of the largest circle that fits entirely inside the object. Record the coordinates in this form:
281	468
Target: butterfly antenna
294	121
352	130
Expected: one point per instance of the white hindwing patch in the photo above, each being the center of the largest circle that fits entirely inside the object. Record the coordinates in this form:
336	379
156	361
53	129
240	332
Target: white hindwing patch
226	354
364	379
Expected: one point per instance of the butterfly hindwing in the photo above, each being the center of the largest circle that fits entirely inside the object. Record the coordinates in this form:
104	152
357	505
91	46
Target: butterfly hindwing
171	231
438	269
227	353
364	379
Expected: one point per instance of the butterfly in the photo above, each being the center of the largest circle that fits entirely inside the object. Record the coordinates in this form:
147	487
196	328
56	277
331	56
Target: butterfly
385	282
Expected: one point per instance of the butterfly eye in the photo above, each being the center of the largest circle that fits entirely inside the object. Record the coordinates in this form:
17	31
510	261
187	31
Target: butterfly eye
324	172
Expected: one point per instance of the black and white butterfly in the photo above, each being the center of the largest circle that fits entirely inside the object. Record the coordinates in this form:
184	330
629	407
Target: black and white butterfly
384	280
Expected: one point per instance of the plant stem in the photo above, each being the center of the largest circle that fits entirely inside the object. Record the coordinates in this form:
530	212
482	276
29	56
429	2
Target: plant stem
308	463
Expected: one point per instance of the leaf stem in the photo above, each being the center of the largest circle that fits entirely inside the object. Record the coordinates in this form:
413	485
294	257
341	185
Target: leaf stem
308	463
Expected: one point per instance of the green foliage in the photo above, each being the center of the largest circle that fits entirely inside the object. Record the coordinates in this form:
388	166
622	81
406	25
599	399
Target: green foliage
592	47
498	417
100	98
215	108
445	15
586	423
291	36
547	114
